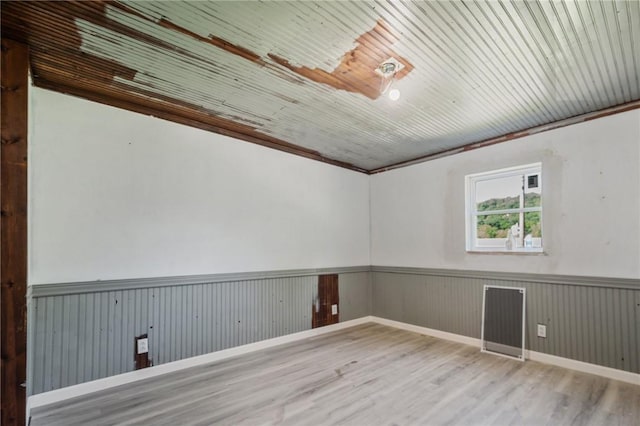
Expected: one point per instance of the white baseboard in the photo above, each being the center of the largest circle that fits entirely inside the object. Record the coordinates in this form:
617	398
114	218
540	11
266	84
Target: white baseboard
428	331
571	364
58	395
585	367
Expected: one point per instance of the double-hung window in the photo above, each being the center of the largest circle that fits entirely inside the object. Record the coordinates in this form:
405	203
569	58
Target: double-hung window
504	210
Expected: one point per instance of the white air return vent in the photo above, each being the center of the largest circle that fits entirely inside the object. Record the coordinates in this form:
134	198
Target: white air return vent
503	321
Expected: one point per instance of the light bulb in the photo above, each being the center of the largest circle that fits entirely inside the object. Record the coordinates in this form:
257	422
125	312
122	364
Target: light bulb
394	94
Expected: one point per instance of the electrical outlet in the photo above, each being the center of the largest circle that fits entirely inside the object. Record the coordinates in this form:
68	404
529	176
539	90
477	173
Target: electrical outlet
542	330
334	309
143	346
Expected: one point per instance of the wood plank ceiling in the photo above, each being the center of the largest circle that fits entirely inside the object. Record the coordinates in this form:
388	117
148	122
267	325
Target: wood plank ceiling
300	76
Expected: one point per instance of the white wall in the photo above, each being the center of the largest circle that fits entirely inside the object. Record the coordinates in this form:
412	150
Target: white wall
591	201
115	194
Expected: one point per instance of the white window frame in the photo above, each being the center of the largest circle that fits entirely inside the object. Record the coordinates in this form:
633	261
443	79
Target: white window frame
471	214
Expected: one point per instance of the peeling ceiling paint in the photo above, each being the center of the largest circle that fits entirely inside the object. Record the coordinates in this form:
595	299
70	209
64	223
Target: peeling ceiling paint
298	76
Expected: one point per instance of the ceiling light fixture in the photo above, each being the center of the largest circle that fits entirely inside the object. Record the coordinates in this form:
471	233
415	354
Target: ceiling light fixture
388	70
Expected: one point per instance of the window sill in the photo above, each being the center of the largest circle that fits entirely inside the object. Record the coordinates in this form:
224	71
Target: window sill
510	252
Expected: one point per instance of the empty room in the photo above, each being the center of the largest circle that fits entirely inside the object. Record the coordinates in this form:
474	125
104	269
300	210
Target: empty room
320	212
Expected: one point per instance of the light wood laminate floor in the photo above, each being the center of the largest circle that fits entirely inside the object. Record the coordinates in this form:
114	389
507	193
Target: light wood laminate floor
365	375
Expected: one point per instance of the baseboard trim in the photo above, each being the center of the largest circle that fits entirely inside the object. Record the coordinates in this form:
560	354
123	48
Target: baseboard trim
54	396
59	395
571	364
584	367
428	331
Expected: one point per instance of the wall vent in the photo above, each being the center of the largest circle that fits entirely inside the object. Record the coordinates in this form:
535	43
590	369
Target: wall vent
503	321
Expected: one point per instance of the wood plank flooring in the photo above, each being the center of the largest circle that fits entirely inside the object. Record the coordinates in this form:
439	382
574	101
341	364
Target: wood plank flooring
365	375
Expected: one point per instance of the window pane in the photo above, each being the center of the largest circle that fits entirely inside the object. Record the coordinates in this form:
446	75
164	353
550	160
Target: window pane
499	194
495	225
532	191
492	230
504	193
532	198
532	224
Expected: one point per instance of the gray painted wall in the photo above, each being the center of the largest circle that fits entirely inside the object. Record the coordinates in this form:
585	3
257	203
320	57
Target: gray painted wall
356	297
77	332
85	331
596	322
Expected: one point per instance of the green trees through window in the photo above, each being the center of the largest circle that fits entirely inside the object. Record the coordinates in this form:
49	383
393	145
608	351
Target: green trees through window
498	225
504	209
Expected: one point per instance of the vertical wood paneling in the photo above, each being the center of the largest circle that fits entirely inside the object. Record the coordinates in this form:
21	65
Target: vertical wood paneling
84	337
599	325
328	295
